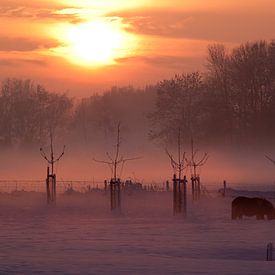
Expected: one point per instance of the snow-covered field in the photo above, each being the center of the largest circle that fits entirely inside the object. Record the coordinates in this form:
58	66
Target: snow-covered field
80	235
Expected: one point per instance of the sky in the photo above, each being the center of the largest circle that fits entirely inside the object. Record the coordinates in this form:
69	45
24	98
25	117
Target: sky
86	46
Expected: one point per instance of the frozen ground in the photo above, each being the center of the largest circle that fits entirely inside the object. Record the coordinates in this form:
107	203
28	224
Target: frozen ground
80	236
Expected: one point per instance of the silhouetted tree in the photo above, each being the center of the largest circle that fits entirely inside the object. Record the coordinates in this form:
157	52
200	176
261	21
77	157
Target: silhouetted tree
242	85
98	115
218	100
177	105
28	111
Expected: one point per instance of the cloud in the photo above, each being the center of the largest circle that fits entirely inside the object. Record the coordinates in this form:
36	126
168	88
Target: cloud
16	62
25	44
157	23
41	13
224	26
163	60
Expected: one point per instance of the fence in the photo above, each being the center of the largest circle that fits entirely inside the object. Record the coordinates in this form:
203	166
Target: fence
8	186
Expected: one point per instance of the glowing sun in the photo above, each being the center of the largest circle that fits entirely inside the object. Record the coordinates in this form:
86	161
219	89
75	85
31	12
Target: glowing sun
96	43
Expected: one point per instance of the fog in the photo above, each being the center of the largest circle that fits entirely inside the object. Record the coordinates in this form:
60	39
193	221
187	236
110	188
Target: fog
144	237
218	108
236	167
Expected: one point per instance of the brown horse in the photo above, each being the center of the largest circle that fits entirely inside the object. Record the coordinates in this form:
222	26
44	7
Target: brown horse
243	206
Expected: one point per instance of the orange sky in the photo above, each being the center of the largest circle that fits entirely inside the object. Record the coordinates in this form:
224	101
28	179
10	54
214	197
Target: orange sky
140	41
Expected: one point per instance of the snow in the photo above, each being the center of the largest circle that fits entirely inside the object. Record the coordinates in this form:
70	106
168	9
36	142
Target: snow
80	235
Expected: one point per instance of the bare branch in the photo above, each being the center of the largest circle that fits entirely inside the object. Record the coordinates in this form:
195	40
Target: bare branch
183	159
102	161
195	153
120	160
171	157
116	160
51	160
109	157
203	160
44	155
130	159
61	155
270	159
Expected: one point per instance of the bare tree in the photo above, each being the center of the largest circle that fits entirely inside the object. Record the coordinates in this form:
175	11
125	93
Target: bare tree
194	162
51	177
179	165
117	160
51	160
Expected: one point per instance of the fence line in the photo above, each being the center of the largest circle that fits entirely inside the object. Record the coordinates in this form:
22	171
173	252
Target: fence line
8	186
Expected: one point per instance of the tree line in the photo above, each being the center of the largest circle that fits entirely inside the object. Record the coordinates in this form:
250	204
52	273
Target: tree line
231	102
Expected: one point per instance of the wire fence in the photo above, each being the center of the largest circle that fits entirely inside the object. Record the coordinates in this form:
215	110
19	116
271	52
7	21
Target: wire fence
9	186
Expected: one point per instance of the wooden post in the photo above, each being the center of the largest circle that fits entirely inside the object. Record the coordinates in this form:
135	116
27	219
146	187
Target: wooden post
51	187
114	162
111	194
184	195
179	195
193	187
175	194
269	252
48	186
118	194
105	185
167	186
115	195
51	177
224	188
196	187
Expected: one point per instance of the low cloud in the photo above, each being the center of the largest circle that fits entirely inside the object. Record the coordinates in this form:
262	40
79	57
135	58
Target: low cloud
37	13
223	26
19	44
163	60
14	62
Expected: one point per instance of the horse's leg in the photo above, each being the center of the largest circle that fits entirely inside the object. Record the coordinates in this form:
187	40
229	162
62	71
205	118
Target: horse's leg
233	215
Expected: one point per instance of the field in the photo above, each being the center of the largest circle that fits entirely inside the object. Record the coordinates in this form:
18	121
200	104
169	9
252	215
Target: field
80	235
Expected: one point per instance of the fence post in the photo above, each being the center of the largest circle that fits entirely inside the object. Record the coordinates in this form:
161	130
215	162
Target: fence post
269	252
167	186
184	182
115	190
224	188
105	185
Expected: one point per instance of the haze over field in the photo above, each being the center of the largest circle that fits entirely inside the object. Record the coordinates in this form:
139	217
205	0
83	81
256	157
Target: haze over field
137	136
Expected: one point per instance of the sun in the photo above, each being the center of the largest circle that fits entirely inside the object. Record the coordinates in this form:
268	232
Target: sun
95	43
